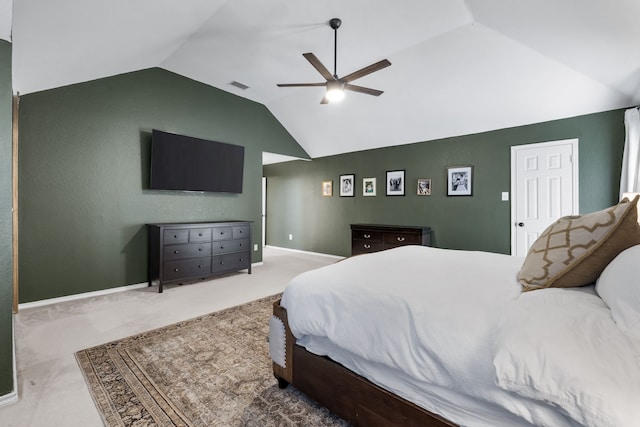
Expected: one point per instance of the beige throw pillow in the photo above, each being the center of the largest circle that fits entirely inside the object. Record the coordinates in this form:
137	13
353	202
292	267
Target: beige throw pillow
574	250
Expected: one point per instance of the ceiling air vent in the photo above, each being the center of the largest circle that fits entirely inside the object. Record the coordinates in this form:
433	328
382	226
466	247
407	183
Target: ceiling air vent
239	85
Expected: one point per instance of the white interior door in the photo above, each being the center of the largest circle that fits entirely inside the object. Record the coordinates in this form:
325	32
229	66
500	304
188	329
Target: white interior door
544	187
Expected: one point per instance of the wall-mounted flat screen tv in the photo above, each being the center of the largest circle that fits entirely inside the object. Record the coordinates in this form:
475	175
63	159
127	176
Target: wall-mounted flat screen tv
184	163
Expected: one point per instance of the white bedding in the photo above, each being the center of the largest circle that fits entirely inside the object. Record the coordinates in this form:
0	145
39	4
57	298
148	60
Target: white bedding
444	329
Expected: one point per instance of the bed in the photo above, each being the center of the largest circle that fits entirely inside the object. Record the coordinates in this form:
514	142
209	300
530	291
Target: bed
425	336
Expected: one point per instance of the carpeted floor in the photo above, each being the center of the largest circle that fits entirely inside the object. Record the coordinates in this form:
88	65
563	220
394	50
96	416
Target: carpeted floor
213	370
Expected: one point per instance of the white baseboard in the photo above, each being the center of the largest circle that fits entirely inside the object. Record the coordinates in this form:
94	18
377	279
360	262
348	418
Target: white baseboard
306	252
50	301
12	397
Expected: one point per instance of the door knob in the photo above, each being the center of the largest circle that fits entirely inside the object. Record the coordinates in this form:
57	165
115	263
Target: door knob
521	224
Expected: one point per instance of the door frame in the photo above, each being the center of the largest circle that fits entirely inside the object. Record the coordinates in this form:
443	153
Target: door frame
574	142
263	213
14	200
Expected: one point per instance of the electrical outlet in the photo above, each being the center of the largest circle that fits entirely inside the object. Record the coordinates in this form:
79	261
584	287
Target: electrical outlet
290	236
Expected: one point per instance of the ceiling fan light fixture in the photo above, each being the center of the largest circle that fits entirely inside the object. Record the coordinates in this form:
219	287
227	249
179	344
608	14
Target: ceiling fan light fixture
335	85
335	91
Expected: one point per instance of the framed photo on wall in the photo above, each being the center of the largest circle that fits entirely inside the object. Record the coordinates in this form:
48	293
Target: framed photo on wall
395	183
347	185
424	187
369	187
327	188
460	181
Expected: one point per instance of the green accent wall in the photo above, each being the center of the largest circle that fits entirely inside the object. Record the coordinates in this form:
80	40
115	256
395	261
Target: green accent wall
481	222
6	270
84	166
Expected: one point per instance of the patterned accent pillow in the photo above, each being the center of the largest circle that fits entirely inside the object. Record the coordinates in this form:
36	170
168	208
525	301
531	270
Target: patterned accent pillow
574	250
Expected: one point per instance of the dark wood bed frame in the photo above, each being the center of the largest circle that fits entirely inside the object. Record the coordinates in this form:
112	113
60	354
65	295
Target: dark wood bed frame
346	394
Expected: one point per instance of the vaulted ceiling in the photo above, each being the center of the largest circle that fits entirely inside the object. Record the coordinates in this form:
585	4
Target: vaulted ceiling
458	66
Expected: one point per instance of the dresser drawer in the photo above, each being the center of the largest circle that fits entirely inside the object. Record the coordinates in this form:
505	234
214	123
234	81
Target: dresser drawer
221	233
392	239
240	231
173	252
363	247
368	235
225	246
175	236
199	235
187	268
230	262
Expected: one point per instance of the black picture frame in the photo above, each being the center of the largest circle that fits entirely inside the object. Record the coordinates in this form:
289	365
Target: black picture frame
347	184
460	181
395	182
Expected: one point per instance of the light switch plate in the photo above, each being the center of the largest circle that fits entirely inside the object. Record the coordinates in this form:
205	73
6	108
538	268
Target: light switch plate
505	196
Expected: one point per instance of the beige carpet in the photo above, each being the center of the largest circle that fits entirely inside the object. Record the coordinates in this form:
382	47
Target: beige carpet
213	370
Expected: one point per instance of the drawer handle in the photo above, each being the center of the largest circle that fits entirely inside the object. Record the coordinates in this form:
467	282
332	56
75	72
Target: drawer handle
240	244
367	246
200	266
175	236
200	234
176	251
367	236
176	269
221	233
221	247
240	259
200	249
400	239
221	262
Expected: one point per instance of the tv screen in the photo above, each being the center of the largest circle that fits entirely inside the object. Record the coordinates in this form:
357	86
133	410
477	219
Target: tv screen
184	163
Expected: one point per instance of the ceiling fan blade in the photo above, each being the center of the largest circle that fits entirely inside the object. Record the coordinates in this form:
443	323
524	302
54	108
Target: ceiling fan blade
318	66
300	84
366	70
368	91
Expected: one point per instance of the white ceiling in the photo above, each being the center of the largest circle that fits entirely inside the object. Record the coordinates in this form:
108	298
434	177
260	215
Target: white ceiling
459	67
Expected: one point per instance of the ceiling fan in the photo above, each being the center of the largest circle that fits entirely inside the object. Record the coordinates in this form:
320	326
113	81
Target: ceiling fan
336	86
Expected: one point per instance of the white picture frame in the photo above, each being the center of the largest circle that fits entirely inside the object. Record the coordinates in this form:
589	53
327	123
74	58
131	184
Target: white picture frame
369	187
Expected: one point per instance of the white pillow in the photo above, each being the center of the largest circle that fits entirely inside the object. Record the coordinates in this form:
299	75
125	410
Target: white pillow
619	287
562	347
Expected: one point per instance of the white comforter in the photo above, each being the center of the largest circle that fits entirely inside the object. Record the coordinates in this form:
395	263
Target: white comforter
451	330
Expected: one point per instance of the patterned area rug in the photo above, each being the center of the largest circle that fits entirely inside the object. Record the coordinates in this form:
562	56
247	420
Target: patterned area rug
213	370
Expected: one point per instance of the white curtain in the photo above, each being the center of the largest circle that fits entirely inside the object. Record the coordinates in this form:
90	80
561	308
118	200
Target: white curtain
630	178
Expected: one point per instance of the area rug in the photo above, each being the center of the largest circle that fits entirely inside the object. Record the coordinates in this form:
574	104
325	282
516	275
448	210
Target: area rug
213	370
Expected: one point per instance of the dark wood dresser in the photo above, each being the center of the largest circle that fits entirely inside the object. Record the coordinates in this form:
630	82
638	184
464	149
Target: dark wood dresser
367	238
184	252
